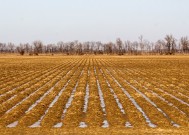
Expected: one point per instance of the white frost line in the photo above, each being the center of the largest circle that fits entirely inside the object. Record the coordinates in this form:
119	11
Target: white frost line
4	94
174	90
38	123
31	95
85	106
183	95
102	103
127	124
174	97
161	98
86	96
41	98
30	81
171	94
164	100
25	98
152	103
68	104
114	94
144	96
23	84
134	103
179	93
17	93
11	98
14	88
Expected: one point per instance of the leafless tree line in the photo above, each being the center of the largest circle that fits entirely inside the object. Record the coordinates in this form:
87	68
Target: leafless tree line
168	46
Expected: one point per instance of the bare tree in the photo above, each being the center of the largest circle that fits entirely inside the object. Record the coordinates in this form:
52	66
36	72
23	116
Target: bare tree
160	46
1	47
141	43
11	47
109	48
166	46
119	44
184	44
170	44
21	49
37	47
27	47
61	46
79	49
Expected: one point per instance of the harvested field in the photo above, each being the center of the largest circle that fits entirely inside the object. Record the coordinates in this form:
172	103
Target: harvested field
84	94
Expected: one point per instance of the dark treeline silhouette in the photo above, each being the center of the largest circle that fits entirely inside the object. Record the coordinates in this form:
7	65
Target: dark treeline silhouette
168	46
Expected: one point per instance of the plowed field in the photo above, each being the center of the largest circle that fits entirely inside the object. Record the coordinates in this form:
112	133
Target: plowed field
94	93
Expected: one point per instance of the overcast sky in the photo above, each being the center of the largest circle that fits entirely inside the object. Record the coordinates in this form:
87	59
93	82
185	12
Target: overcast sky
94	20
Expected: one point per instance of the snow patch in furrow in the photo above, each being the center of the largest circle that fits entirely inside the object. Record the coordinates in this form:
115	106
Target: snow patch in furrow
102	103
12	125
105	124
174	124
58	125
128	124
134	103
69	102
86	100
82	125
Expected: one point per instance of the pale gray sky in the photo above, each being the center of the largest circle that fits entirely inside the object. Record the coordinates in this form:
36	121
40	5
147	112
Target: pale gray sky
94	20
